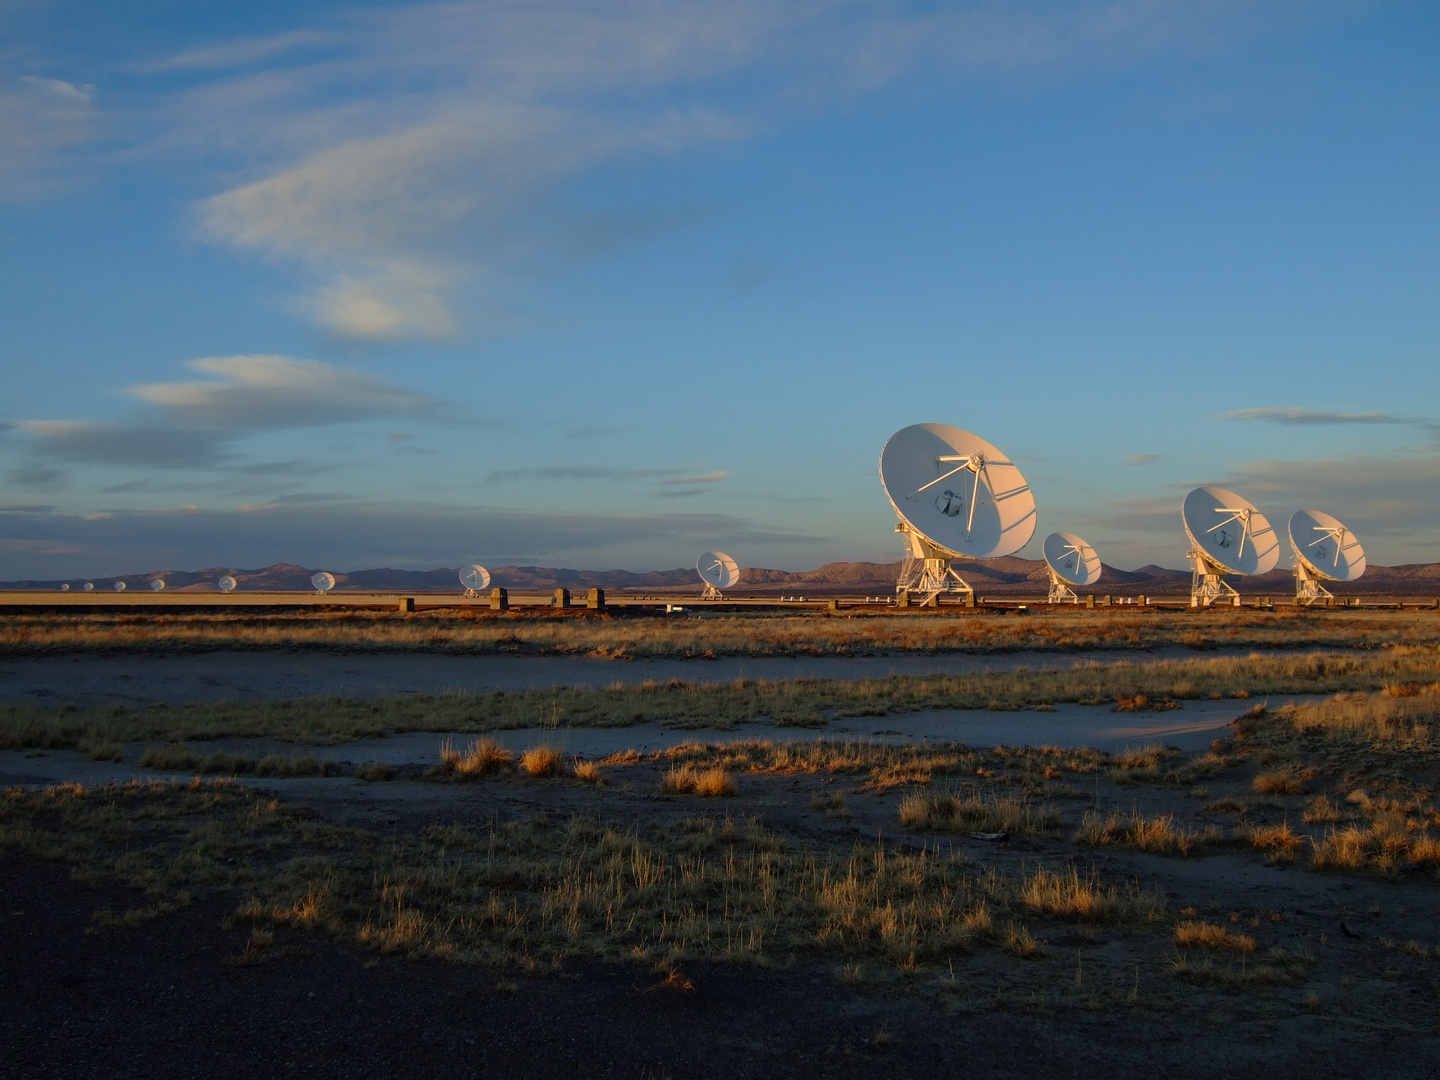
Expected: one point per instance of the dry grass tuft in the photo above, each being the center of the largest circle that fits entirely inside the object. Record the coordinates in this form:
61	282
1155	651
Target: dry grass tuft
1280	841
968	811
1020	942
479	758
589	771
1321	810
1204	935
374	770
1157	835
542	760
688	780
1067	895
833	805
1276	782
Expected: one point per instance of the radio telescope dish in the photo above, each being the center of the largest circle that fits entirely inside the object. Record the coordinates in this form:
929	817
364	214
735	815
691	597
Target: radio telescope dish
1227	536
323	582
119	586
227	583
474	577
65	587
718	571
957	497
1071	561
157	583
1324	551
89	586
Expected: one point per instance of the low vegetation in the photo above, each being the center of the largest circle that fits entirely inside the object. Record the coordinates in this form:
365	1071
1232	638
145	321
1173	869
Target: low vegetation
797	703
645	635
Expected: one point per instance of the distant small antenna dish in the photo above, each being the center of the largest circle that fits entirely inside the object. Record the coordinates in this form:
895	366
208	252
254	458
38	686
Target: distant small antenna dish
65	587
1071	561
957	497
474	577
89	586
227	583
157	583
1325	550
718	571
1227	536
119	586
323	581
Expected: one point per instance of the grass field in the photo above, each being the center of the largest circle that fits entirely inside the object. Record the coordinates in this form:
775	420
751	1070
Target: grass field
653	636
877	879
797	703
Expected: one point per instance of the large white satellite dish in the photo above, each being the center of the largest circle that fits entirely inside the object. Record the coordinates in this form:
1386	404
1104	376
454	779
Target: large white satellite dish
474	577
1325	550
718	571
157	583
957	497
89	586
323	581
65	587
119	586
227	583
1227	536
1071	561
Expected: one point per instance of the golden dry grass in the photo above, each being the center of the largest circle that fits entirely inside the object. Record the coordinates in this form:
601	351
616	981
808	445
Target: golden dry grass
801	702
542	760
966	810
539	891
635	635
706	783
480	757
589	771
1204	935
1276	782
1157	834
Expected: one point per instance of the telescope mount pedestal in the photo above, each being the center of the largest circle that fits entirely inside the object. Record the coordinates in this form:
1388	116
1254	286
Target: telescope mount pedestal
1207	582
927	571
1308	588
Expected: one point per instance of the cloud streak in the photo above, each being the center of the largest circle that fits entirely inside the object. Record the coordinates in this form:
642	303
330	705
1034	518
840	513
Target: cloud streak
195	423
395	152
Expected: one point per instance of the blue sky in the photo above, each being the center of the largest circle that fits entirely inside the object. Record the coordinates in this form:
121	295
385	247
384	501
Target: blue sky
606	284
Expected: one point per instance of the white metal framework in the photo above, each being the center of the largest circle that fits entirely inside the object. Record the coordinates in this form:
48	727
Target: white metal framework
927	571
1307	586
1207	583
711	593
1060	590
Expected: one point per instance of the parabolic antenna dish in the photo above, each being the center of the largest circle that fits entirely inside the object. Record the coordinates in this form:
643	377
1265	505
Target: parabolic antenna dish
717	570
227	583
65	587
119	586
957	491
89	586
323	581
474	577
157	583
1327	548
1073	560
1228	531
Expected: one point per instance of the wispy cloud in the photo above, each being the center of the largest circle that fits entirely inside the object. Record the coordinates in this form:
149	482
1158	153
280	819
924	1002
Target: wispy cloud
672	482
1141	459
40	119
392	153
1301	417
194	424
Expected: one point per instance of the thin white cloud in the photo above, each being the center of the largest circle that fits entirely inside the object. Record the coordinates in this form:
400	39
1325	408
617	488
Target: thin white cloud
1302	417
40	119
194	424
394	152
1141	459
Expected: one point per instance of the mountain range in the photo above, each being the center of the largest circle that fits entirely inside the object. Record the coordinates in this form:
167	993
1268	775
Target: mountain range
1007	576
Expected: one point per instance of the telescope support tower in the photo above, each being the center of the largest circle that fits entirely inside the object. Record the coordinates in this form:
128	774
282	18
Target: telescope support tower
1207	583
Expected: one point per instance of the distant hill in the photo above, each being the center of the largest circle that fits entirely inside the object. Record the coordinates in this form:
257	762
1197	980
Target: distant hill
1008	576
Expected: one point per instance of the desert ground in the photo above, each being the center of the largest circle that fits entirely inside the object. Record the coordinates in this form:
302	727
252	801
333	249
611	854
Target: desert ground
1066	843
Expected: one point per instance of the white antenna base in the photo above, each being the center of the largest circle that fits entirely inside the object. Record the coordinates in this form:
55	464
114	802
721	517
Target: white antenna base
1308	588
927	571
1060	591
1207	583
712	593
